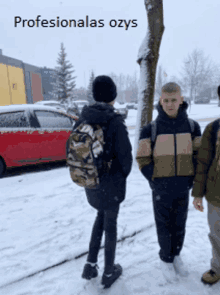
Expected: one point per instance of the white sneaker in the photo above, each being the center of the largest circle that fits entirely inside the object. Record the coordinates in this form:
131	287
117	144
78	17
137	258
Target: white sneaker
180	267
168	271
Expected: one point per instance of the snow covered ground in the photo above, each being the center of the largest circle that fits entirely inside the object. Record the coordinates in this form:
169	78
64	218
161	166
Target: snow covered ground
45	219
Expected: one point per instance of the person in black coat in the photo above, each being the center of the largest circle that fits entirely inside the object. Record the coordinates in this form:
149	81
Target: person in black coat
112	189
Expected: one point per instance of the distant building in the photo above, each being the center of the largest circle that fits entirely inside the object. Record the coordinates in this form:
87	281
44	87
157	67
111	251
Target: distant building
12	82
47	82
23	83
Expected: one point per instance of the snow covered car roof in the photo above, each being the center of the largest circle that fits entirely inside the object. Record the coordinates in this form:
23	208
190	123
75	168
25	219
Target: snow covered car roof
80	101
47	101
50	102
21	107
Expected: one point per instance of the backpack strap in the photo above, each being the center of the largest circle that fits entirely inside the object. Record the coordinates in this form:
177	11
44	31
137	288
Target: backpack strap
107	153
153	133
192	125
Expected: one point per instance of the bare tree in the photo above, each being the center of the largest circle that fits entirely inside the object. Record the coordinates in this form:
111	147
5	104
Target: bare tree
161	80
197	72
120	82
127	86
135	88
147	59
89	91
131	87
215	81
80	93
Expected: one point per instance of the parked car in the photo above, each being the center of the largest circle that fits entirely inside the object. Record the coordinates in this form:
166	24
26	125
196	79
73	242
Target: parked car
201	99
32	134
132	106
80	104
73	110
52	103
122	109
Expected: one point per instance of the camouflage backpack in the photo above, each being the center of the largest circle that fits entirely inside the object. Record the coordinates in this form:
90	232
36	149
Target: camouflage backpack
85	155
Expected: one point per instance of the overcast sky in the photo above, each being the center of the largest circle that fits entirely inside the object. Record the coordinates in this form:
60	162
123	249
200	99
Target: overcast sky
188	24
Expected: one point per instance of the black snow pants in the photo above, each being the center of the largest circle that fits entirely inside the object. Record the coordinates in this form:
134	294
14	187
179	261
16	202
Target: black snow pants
106	220
170	213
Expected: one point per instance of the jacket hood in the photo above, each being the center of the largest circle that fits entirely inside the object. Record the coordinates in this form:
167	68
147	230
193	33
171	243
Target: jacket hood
97	113
182	114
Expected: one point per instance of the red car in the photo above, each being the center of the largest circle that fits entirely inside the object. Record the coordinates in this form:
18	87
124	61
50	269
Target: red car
32	134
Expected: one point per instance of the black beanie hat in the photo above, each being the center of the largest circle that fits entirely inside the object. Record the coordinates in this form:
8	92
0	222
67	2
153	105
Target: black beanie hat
218	91
104	89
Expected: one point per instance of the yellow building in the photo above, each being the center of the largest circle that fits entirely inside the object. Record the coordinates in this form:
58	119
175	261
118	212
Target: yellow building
12	85
20	83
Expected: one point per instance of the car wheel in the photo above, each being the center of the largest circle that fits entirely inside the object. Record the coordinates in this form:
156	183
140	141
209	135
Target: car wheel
2	167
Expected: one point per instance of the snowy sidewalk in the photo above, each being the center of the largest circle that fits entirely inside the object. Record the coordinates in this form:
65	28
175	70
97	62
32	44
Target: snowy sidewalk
39	241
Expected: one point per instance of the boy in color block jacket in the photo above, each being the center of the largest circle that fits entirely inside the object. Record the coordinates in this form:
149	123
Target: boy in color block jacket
169	165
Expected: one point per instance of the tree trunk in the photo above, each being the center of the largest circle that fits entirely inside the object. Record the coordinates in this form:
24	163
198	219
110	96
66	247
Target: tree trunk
147	59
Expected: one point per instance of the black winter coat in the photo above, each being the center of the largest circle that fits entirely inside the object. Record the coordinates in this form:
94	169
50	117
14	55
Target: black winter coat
112	188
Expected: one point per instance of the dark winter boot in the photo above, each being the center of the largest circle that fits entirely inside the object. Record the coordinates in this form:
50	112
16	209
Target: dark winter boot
210	277
109	279
90	272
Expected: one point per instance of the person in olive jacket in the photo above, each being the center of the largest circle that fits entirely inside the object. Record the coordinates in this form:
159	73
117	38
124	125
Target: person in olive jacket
112	189
169	165
207	183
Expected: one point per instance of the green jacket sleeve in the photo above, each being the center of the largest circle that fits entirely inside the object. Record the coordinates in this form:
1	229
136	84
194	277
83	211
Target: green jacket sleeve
204	160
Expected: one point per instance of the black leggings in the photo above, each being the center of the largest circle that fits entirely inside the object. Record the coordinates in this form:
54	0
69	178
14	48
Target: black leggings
106	220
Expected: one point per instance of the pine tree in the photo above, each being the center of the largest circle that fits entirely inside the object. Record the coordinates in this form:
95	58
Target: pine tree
64	83
89	91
